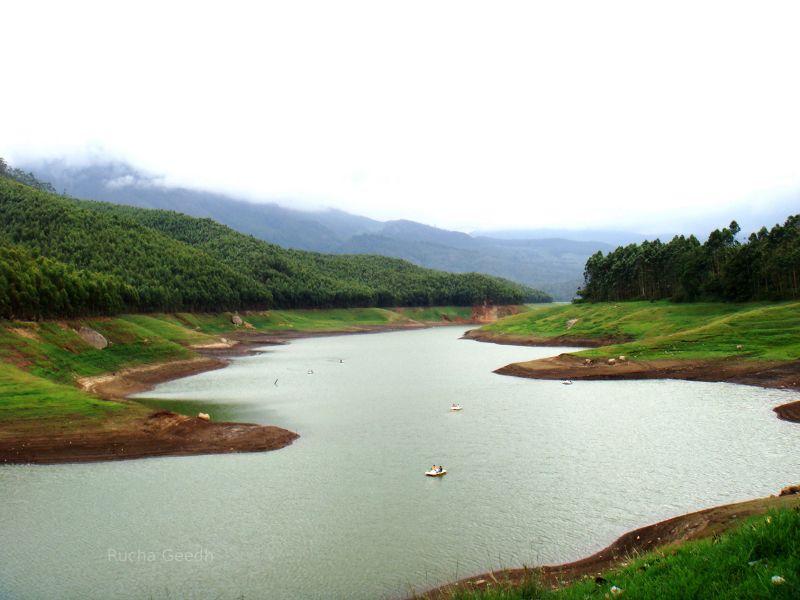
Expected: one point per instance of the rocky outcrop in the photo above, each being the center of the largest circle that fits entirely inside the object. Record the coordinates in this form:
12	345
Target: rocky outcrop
94	338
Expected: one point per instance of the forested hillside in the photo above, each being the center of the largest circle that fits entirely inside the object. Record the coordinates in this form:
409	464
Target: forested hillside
41	287
548	263
765	267
123	258
298	278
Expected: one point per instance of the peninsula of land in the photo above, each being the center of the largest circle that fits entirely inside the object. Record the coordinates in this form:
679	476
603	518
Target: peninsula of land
64	385
749	343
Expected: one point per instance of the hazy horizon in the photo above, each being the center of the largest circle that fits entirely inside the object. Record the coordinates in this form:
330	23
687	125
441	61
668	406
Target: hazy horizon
137	178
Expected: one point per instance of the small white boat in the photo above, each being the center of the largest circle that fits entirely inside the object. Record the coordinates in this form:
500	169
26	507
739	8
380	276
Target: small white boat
456	407
436	473
567	382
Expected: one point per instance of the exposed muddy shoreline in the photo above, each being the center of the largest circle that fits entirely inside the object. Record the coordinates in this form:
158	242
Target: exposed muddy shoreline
162	433
567	366
693	526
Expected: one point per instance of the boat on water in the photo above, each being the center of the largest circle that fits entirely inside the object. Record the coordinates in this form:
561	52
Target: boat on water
567	382
456	407
435	473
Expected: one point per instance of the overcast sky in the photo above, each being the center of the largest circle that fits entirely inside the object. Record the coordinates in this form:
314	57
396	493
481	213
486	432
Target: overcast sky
638	115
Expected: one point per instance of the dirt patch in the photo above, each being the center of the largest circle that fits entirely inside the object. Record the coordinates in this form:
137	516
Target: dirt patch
489	314
784	375
140	379
221	345
162	433
25	332
693	526
733	370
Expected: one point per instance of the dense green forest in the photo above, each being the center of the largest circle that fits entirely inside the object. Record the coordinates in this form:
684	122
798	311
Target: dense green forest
764	267
299	278
41	287
111	258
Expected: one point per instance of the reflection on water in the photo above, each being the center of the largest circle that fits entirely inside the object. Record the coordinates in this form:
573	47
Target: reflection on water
538	472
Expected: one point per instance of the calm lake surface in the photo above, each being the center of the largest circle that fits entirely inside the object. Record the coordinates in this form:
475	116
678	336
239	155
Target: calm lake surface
539	472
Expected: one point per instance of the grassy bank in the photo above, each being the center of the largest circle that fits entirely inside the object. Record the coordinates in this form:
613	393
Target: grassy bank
41	362
662	330
29	402
740	563
322	320
335	319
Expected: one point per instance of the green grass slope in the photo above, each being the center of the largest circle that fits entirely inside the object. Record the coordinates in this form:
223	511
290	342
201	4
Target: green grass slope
299	320
55	351
736	565
30	401
40	363
663	330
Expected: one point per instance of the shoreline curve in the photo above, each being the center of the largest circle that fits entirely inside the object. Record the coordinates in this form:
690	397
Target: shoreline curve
160	432
692	526
767	374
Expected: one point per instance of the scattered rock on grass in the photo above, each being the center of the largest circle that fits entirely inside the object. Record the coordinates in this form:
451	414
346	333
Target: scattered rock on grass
93	338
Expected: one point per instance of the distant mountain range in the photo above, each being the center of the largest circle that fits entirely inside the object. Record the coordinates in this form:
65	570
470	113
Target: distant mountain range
547	260
608	236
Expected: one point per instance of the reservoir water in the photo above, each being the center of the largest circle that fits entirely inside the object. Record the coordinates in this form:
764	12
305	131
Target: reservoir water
539	472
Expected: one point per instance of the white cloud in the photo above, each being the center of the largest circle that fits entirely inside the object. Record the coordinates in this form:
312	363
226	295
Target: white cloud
465	114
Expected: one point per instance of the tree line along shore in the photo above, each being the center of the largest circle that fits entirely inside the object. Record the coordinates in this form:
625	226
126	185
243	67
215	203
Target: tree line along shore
765	266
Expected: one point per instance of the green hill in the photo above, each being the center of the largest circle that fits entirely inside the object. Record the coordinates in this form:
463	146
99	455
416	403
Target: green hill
554	265
154	260
662	330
